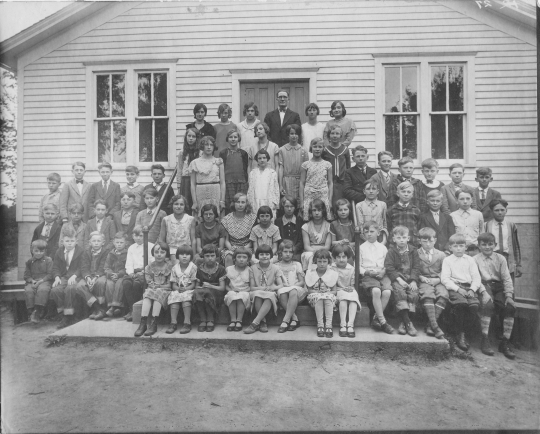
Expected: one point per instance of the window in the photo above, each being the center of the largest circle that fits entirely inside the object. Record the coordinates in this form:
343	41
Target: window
131	119
422	107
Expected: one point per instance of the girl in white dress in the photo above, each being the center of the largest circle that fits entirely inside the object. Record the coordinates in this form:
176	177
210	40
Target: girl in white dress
263	184
247	126
183	276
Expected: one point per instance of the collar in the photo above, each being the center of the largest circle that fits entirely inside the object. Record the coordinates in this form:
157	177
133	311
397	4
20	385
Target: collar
403	205
483	189
124	212
283	110
463	211
495	222
157	185
81	181
100	220
435	212
118	252
460	185
150	211
105	182
35	260
48	224
233	151
428	252
287	221
405	251
486	258
289	147
330	278
95	253
135	184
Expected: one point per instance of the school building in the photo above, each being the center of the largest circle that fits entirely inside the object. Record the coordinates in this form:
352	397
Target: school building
117	81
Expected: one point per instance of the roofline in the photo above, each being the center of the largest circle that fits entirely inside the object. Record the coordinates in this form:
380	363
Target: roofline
14	47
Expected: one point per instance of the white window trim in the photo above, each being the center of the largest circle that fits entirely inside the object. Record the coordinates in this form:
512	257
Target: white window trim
132	151
424	101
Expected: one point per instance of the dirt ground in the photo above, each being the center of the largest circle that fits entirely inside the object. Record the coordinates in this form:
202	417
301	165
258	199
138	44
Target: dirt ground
148	386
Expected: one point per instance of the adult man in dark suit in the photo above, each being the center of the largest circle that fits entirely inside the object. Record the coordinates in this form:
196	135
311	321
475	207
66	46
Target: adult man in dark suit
158	173
356	177
75	191
278	119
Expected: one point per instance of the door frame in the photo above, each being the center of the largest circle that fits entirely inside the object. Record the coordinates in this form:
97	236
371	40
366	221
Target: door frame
277	74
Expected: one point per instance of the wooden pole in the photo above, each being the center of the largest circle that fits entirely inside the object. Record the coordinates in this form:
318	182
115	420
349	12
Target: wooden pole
357	233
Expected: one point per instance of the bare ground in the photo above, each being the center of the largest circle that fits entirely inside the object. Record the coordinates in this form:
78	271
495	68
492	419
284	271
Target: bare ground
149	386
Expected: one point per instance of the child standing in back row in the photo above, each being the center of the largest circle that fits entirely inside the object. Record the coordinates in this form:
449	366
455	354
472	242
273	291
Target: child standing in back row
449	191
223	128
132	173
235	166
290	159
53	196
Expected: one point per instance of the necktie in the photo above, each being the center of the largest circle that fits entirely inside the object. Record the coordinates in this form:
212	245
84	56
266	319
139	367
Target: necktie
149	212
436	217
483	196
79	182
47	230
105	187
98	225
428	254
501	241
67	259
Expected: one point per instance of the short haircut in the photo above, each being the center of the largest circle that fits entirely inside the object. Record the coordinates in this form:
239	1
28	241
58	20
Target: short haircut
97	234
496	202
69	233
322	254
230	133
78	163
405	160
199	106
157	166
404	185
317	204
288	198
120	235
262	152
360	148
184	249
427	233
484	171
222	108
341	202
163	246
237	196
400	230
471	248
459	192
456	166
316	140
434	193
430	163
312	105
105	164
372	184
285	244
382	153
248	105
282	90
241	251
128	194
210	249
137	230
132	169
264	125
54	177
177	197
457	239
41	245
209	207
101	202
207	140
486	237
370	224
265	209
298	130
76	207
333	106
51	206
342	248
332	128
264	248
151	191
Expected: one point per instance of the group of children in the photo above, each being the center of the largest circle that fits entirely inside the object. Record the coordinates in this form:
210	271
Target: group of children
274	226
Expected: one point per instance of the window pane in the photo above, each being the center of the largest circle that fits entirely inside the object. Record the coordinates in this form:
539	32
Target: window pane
145	140
118	95
410	88
409	128
102	96
160	95
144	96
438	88
162	139
455	88
455	136
119	130
392	135
104	141
438	136
391	90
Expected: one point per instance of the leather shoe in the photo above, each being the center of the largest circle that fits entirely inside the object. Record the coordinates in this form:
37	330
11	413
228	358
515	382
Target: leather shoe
486	347
172	328
186	328
462	343
504	347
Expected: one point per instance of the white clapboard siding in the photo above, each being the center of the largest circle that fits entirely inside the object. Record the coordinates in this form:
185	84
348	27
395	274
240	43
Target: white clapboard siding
212	37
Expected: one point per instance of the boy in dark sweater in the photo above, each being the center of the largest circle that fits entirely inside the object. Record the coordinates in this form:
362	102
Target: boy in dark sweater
115	270
38	278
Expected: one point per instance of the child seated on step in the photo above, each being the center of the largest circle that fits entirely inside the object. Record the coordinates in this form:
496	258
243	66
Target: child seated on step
115	270
374	280
321	284
347	297
266	280
239	276
158	278
38	278
433	294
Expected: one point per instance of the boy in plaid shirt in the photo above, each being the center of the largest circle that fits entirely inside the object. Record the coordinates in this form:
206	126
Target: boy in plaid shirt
404	212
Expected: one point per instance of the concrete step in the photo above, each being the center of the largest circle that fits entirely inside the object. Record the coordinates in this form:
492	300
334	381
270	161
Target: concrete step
305	314
304	338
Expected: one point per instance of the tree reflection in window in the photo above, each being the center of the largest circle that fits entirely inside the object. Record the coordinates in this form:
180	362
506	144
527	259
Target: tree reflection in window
110	117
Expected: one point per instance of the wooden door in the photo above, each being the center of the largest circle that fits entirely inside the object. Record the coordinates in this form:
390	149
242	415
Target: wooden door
263	94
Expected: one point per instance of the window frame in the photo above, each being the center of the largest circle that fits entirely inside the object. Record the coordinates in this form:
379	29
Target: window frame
130	69
424	61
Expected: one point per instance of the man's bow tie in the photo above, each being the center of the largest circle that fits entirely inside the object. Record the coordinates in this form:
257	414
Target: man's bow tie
79	182
282	110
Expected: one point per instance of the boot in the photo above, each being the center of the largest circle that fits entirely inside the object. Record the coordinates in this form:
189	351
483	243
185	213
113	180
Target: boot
66	321
34	317
485	346
152	326
504	348
142	327
461	342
